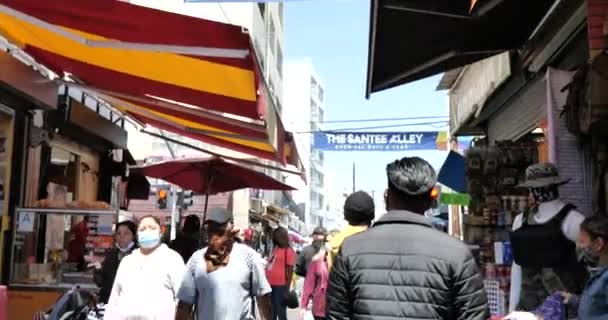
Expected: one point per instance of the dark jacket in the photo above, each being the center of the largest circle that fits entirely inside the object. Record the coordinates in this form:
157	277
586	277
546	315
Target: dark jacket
402	268
186	244
304	259
105	278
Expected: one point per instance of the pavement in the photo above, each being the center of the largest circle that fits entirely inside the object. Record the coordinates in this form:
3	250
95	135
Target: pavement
292	314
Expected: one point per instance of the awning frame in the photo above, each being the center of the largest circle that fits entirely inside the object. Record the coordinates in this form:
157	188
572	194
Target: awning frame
479	12
186	50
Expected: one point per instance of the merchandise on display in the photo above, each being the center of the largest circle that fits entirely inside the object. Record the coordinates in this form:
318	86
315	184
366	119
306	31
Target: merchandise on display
492	176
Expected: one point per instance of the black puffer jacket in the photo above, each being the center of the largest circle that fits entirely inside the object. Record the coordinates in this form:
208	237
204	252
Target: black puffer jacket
402	268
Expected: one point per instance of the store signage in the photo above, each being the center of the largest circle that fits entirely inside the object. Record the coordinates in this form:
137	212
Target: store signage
25	222
380	141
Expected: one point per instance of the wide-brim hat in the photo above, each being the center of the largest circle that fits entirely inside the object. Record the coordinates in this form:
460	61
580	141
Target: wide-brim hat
543	175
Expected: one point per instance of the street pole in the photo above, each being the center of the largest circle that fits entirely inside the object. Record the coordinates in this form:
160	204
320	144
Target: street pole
174	212
354	177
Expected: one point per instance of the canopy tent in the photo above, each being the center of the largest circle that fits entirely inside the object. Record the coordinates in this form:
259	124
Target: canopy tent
190	76
414	39
210	175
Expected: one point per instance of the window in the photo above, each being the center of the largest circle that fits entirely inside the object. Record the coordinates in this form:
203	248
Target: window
321	94
279	60
271	37
281	13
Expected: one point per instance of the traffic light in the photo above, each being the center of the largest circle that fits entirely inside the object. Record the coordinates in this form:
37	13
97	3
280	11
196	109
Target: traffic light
161	199
185	199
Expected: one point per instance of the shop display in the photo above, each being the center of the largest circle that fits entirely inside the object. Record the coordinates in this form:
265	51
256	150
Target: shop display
79	238
493	174
545	255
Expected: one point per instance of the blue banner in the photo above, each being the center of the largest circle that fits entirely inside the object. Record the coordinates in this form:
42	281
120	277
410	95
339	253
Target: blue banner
380	141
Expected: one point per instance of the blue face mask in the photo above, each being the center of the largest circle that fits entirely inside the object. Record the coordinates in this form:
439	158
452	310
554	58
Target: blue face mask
148	239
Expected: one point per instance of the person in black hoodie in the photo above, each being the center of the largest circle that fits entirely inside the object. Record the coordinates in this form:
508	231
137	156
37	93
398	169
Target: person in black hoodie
189	240
124	244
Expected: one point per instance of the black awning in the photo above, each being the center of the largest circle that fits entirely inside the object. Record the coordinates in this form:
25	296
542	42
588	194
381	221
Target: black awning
414	39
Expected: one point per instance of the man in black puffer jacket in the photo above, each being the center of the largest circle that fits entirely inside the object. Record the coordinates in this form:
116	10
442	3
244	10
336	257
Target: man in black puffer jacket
402	268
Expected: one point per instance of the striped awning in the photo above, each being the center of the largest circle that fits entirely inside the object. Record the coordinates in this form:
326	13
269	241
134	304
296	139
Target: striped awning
190	76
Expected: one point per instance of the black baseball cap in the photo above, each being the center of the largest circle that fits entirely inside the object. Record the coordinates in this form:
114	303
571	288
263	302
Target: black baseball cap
219	216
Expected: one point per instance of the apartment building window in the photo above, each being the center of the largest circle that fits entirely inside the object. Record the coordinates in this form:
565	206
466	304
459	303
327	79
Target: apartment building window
313	126
271	37
281	9
321	94
279	59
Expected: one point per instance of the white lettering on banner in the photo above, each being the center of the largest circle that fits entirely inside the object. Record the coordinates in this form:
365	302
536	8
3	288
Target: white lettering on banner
374	139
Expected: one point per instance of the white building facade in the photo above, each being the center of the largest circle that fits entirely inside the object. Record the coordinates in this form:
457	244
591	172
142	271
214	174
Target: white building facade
303	111
264	21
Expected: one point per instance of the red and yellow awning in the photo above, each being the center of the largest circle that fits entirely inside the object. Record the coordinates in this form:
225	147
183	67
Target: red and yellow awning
187	75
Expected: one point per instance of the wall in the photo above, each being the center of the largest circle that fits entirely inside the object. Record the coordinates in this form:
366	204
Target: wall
298	116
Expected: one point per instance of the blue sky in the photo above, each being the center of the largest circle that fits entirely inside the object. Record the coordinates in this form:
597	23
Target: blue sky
334	34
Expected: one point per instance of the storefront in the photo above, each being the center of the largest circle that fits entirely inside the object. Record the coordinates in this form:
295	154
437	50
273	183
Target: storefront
70	205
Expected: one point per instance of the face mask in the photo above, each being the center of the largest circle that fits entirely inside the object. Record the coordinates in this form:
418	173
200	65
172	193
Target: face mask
127	248
148	239
588	256
545	194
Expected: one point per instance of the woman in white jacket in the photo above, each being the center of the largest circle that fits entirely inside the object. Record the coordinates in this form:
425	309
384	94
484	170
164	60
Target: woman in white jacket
147	281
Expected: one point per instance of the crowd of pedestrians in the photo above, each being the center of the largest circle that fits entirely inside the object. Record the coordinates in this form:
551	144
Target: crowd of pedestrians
398	267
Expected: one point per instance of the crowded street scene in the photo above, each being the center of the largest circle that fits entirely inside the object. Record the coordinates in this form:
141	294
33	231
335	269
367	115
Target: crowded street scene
304	159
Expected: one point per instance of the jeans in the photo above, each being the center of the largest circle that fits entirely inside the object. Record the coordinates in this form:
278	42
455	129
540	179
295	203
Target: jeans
279	309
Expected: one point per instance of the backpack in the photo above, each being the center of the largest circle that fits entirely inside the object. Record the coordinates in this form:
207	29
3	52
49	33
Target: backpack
303	261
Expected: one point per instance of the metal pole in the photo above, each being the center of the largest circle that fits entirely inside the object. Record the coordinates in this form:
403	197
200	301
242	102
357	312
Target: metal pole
354	177
173	212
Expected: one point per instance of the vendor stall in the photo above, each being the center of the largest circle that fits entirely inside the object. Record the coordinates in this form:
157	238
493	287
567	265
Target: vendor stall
493	172
65	220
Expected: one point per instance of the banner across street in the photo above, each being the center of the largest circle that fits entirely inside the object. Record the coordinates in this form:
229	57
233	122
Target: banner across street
380	141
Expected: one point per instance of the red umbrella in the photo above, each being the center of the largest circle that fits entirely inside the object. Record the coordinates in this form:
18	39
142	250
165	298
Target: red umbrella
210	175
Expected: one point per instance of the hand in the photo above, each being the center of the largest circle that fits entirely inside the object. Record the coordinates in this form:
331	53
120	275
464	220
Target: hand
567	296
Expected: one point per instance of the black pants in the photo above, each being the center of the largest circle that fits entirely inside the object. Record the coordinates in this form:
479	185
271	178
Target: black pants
319	318
279	309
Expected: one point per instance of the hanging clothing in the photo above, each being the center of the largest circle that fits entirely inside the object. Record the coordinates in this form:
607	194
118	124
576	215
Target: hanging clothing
553	308
547	259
